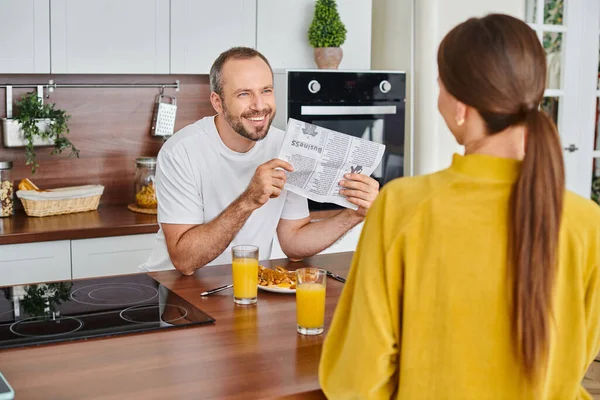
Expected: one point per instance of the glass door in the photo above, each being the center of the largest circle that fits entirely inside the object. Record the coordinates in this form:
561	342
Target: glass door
547	18
569	32
588	171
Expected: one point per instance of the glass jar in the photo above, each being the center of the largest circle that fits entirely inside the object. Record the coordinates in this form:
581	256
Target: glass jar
6	189
144	191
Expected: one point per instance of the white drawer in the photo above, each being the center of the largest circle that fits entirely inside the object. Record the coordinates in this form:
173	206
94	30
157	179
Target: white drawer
115	255
35	262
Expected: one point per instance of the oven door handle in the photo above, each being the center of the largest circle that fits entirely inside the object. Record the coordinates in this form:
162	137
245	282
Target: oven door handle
347	110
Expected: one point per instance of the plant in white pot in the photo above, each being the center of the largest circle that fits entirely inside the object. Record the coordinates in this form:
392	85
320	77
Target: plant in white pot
42	124
326	34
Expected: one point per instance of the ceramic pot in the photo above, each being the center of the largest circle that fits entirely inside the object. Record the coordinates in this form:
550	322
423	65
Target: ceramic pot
328	57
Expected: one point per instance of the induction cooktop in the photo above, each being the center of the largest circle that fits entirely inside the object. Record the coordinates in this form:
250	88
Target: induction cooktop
74	310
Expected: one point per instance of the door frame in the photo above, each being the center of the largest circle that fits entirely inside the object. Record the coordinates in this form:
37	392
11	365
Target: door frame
578	90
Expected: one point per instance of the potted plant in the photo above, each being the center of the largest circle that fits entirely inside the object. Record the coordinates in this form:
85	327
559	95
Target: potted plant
326	34
37	124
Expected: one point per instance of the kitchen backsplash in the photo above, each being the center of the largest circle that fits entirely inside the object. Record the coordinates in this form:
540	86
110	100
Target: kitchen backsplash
110	127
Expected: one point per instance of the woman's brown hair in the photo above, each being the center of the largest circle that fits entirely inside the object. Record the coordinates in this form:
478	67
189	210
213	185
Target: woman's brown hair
497	65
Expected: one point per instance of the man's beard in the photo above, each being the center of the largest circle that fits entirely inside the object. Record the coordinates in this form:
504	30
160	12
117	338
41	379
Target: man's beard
238	126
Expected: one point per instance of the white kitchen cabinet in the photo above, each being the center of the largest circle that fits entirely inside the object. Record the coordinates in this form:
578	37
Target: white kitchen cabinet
115	255
202	29
282	33
24	36
35	262
110	36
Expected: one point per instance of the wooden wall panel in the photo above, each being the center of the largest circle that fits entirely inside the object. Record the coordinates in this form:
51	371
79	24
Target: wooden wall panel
110	127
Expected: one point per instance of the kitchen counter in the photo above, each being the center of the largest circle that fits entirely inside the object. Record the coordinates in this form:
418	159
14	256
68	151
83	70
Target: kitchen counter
106	221
251	352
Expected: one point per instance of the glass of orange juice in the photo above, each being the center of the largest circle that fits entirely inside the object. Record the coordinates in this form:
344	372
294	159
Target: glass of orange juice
310	300
245	274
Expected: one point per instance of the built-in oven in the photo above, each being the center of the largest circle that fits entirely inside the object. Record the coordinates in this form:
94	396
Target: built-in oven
366	104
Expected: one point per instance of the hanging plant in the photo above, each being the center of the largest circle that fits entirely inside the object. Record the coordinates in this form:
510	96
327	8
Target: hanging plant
31	111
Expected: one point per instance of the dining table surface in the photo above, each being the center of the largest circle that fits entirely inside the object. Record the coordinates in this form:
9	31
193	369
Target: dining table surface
249	352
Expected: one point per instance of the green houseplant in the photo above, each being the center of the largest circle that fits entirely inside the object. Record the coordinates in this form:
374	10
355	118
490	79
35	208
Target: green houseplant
43	121
326	34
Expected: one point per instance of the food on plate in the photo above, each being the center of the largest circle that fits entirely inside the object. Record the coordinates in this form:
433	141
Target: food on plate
146	197
6	198
26	184
278	277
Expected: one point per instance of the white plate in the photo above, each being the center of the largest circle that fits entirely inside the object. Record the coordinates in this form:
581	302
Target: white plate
276	289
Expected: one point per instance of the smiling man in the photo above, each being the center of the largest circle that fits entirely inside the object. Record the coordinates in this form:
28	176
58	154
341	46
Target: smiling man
219	182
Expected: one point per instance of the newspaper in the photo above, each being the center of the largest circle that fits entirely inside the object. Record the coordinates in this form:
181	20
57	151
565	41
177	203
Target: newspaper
321	157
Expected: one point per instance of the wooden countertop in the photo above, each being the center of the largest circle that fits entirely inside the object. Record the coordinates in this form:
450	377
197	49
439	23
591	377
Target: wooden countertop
106	221
251	352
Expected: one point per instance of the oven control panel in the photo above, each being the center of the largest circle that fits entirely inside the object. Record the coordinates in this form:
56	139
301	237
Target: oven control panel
385	86
314	86
345	86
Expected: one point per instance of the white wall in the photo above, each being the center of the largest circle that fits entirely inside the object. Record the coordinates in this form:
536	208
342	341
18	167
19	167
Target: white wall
434	144
284	40
391	38
391	34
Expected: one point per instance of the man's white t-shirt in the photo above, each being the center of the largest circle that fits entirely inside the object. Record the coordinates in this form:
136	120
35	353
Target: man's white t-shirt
198	176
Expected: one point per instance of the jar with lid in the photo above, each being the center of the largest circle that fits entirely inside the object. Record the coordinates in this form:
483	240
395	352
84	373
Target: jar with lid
145	193
6	189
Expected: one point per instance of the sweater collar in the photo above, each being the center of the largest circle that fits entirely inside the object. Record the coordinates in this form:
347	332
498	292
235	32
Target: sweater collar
488	167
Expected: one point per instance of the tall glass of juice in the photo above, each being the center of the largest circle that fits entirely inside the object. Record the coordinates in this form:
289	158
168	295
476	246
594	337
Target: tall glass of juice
245	274
310	300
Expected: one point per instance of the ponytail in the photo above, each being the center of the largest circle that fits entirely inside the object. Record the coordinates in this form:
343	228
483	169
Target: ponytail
536	208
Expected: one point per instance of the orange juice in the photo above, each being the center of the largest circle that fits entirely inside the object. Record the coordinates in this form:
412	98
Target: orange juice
310	305
245	278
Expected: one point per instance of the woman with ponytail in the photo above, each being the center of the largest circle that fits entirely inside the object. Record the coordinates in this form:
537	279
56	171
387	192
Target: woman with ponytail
481	281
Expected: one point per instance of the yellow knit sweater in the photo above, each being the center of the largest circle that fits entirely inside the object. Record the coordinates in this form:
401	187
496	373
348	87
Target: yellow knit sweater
425	311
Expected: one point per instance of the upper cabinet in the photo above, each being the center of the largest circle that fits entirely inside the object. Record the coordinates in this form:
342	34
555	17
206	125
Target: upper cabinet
202	29
24	37
284	40
167	36
110	36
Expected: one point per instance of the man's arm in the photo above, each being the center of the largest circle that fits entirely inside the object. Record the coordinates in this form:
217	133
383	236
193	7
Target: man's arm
302	238
193	246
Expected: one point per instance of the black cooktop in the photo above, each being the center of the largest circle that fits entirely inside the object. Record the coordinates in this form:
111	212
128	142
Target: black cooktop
72	310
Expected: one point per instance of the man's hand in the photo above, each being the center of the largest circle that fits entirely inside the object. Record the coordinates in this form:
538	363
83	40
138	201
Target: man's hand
360	190
267	183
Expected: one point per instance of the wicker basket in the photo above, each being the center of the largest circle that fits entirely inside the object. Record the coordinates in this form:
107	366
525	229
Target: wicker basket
61	201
